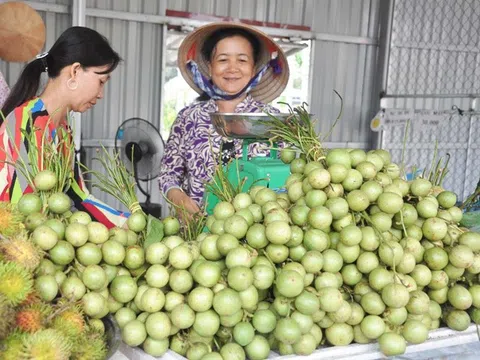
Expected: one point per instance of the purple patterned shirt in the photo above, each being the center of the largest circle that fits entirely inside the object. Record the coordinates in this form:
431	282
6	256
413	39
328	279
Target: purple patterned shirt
193	147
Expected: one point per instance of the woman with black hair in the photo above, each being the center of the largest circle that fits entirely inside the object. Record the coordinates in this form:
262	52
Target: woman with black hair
78	66
236	69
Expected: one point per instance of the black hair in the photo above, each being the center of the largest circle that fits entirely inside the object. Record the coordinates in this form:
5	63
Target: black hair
218	35
203	97
76	44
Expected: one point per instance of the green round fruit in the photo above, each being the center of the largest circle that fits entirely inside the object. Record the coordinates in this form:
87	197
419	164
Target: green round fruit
29	204
59	203
137	222
45	180
287	155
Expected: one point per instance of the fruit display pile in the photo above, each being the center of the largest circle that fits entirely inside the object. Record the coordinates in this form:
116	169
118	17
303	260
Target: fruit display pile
39	317
350	252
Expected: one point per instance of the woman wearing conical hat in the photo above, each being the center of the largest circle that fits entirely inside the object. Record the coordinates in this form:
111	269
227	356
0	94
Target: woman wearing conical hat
236	69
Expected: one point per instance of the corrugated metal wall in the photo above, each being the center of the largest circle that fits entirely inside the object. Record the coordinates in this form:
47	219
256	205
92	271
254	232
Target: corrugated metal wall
435	55
135	89
435	47
132	92
293	12
434	65
348	68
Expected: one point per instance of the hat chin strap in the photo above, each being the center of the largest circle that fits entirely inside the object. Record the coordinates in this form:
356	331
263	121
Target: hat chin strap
215	93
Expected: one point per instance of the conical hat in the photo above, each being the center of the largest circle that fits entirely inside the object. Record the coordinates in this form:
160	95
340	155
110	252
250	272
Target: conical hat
270	86
22	32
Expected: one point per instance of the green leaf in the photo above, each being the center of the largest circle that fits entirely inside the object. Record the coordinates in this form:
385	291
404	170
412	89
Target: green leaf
154	231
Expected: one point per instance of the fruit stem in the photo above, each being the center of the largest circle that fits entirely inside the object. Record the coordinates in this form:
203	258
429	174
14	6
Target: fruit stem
216	343
270	261
140	275
290	308
246	315
369	221
61	309
403	223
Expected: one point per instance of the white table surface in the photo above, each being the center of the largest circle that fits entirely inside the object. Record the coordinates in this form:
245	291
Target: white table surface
444	344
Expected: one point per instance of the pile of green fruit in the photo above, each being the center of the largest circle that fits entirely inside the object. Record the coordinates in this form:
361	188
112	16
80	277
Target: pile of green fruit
350	252
36	320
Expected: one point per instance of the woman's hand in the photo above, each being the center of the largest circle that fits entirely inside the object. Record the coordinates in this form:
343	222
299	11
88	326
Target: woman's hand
183	202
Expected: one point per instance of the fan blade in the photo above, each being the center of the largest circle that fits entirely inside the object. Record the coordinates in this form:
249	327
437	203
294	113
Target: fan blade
142	143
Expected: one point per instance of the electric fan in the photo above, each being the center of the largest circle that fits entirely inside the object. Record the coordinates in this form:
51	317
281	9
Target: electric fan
141	147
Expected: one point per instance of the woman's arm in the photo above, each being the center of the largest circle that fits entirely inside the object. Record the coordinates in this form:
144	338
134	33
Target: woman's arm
173	170
85	201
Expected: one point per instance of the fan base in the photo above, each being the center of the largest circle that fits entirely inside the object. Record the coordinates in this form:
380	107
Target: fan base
152	209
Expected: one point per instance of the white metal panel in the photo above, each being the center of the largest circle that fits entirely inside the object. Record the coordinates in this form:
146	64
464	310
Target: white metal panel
151	7
56	2
445	103
281	11
348	17
135	87
434	65
347	69
435	47
455	135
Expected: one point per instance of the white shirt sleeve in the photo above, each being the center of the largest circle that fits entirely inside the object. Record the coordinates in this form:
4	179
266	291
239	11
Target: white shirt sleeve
4	90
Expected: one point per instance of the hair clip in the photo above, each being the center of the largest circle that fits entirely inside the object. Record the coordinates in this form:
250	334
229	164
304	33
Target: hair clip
43	58
42	55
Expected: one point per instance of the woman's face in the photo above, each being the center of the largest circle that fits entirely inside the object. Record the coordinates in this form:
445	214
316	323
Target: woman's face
232	64
90	86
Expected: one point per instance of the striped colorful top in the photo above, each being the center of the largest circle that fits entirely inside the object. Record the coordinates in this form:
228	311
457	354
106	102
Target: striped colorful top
12	182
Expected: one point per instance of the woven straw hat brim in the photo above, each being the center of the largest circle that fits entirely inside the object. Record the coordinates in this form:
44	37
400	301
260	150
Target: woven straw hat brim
270	86
22	32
